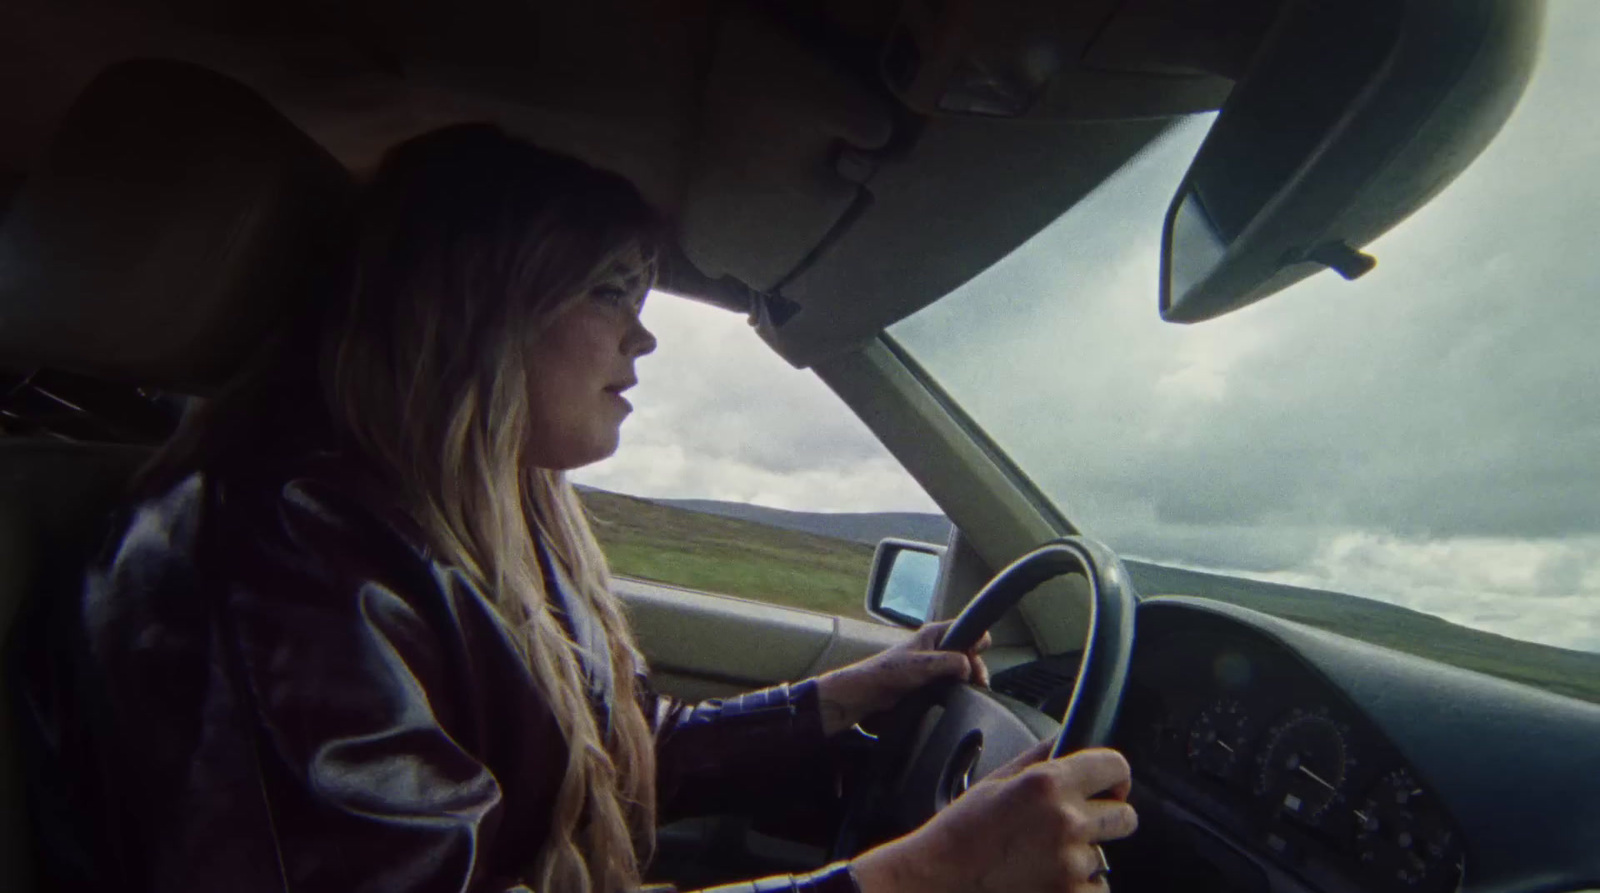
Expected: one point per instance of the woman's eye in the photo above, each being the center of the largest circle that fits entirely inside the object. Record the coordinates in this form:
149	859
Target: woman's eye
610	295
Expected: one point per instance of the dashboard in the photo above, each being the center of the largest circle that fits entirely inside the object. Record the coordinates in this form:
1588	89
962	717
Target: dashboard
1236	731
1269	756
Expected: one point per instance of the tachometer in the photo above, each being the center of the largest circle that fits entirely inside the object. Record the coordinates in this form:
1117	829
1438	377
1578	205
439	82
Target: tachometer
1217	739
1403	836
1303	764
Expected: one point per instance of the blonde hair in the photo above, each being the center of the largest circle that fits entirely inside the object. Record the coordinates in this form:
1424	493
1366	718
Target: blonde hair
470	243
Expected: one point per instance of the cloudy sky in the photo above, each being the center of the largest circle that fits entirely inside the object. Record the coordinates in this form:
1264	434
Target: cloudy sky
1429	435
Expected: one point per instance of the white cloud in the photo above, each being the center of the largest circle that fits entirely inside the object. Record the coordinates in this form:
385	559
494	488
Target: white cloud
1539	590
1428	435
720	416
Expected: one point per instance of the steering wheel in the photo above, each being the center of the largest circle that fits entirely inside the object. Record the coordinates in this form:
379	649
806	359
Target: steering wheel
946	737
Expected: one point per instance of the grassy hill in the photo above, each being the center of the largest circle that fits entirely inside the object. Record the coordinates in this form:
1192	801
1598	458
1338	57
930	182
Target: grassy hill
729	556
821	561
1561	670
863	527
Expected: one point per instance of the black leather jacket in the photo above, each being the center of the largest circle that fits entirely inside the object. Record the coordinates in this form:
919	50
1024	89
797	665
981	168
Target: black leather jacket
270	685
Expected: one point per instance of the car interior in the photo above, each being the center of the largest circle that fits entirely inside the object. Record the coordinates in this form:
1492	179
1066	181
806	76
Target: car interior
172	180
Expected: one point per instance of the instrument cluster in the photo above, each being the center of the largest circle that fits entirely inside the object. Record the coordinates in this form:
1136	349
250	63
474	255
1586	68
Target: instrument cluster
1240	732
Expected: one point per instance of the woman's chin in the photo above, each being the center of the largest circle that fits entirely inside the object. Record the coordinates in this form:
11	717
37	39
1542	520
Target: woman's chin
576	452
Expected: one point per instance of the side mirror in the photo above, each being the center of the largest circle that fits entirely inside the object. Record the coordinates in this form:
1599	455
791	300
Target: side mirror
1352	116
905	576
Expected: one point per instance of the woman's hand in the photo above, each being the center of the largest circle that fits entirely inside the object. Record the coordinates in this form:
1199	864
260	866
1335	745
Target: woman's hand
851	694
1032	825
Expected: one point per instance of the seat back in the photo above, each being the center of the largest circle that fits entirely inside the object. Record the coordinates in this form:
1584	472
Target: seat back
56	504
174	222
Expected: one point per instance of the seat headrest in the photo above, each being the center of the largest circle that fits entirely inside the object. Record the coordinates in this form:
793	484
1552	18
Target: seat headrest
176	218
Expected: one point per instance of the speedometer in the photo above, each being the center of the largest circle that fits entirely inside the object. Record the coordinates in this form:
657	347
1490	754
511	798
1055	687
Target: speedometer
1217	739
1303	764
1403	835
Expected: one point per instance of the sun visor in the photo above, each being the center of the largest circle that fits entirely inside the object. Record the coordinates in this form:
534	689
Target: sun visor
175	218
770	181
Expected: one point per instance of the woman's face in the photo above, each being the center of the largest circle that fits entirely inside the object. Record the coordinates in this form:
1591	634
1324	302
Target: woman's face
580	366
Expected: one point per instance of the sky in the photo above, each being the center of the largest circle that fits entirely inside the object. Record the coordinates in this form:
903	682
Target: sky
1428	435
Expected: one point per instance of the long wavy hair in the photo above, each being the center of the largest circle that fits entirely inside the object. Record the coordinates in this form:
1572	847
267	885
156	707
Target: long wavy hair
466	245
470	243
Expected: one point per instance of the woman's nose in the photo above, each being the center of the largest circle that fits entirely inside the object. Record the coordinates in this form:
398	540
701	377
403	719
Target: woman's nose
639	341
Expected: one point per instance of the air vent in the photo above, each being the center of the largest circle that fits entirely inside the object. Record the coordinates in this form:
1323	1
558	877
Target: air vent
1036	682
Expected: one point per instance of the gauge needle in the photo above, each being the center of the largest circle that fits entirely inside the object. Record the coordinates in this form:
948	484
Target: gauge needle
1313	776
1223	745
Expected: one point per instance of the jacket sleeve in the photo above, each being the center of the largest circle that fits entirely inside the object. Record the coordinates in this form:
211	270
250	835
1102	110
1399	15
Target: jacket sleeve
367	721
316	734
363	766
760	754
316	707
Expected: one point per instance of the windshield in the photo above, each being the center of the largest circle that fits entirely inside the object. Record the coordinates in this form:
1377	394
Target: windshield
1427	437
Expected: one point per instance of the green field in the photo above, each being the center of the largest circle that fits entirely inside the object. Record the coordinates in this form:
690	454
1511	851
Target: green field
730	557
724	555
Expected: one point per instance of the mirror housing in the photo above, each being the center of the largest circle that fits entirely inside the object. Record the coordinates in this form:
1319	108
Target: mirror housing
1351	116
904	579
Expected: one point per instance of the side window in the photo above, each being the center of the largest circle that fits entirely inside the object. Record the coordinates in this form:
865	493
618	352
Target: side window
741	475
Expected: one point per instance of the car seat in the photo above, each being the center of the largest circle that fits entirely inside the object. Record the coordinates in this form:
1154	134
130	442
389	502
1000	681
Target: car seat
175	219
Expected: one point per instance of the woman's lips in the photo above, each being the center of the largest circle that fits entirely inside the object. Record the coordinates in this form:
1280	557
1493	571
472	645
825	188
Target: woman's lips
615	393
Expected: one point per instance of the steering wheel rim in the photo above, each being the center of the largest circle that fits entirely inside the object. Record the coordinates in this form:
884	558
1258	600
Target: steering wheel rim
907	733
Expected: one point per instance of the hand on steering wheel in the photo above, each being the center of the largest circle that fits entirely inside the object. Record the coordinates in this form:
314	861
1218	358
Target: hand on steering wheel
851	694
1034	824
945	737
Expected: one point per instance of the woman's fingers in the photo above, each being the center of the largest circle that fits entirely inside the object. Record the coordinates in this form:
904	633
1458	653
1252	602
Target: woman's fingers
1119	792
1093	773
1099	776
1110	820
926	640
980	671
915	668
1083	863
928	635
1032	826
924	667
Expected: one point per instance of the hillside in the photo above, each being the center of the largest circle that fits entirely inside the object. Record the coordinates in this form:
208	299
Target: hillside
729	556
820	561
1574	673
863	528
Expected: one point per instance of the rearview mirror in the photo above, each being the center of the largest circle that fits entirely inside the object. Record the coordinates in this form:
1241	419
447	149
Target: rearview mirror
905	576
1351	116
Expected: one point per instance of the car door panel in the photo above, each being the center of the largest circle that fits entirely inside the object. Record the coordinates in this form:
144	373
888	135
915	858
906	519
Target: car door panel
700	645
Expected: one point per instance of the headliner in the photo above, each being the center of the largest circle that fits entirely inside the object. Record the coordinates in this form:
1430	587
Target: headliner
766	131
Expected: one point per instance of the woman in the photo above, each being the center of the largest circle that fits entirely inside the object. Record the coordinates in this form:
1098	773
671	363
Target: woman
359	635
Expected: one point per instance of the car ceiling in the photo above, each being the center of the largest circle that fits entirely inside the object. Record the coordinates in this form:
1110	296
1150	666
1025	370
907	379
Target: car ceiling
808	185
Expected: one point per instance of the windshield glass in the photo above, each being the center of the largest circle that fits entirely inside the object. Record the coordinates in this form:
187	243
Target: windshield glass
1427	436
